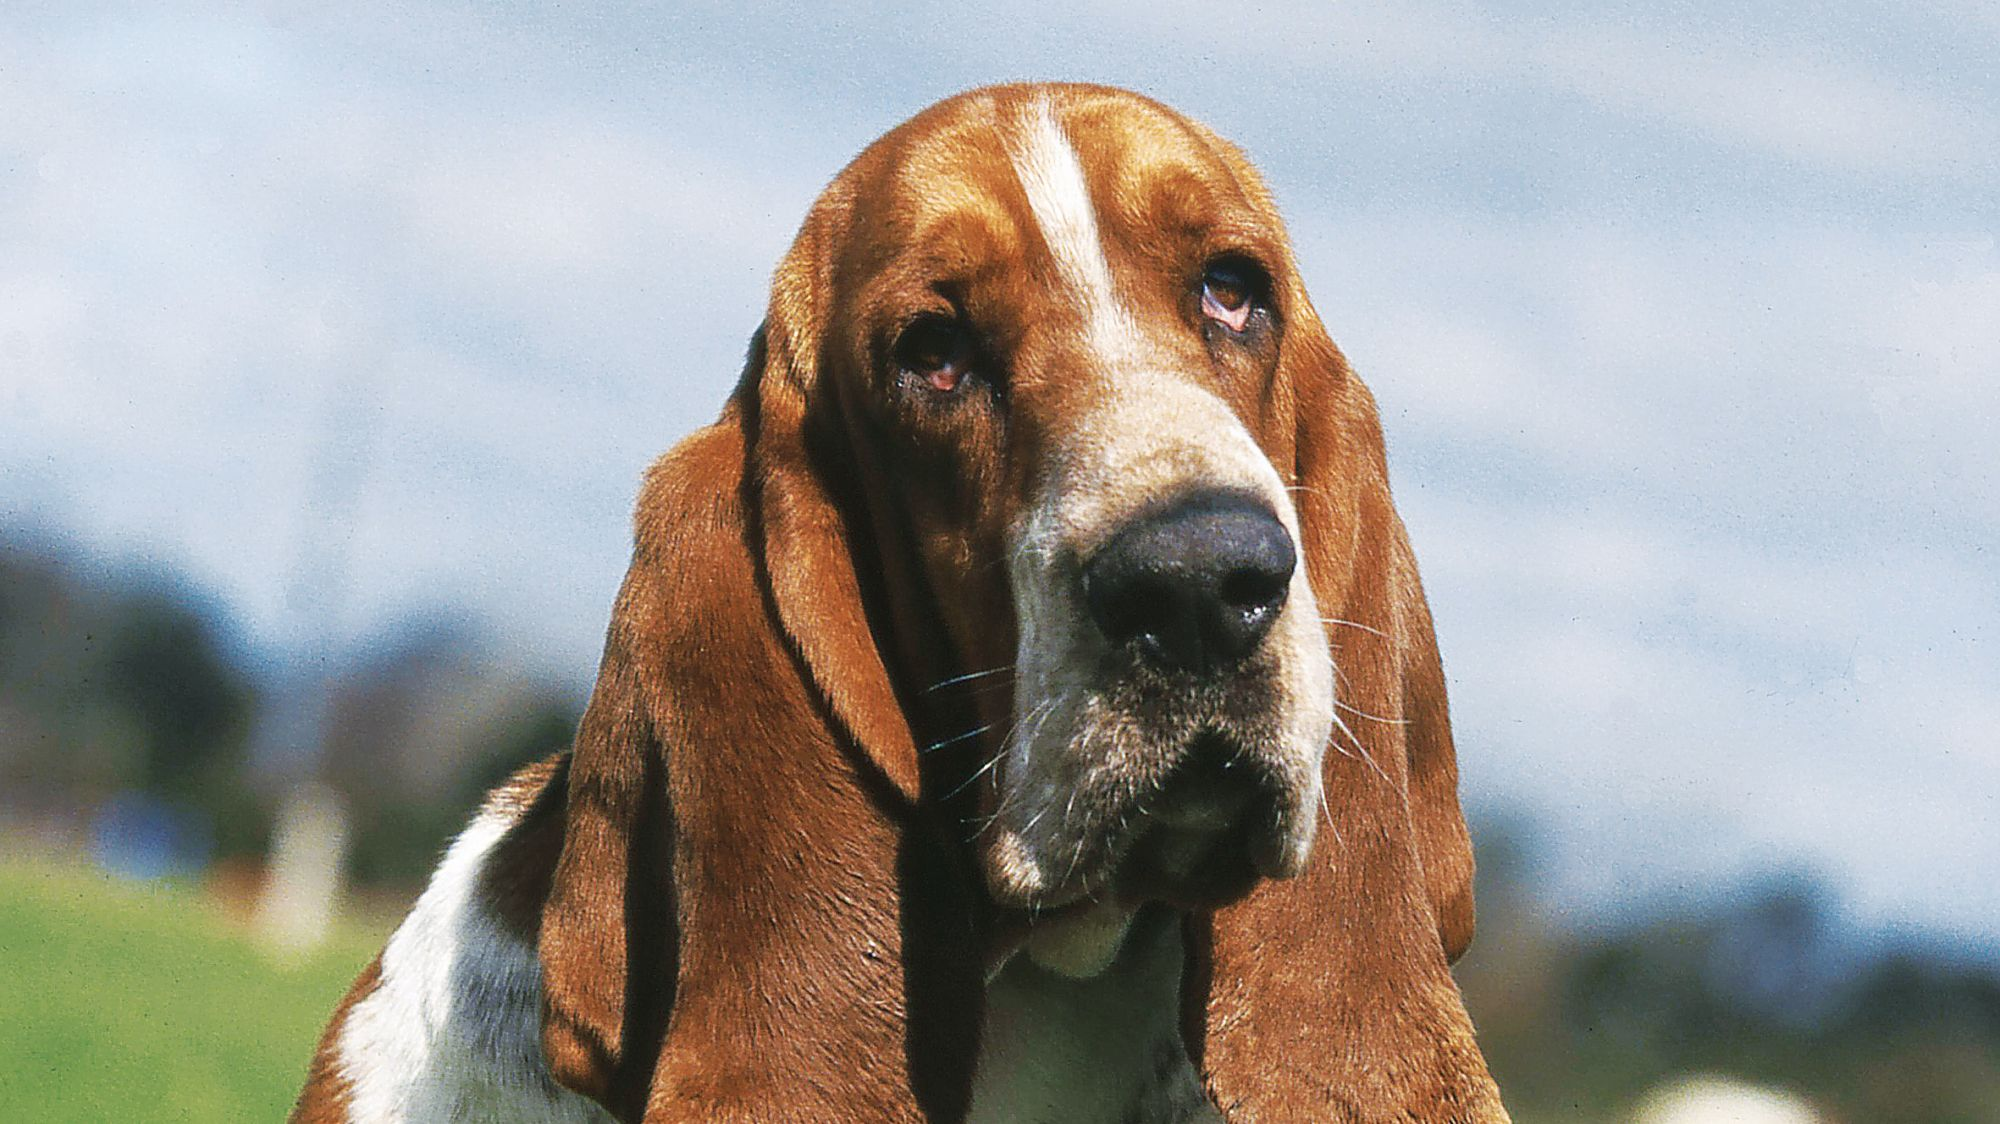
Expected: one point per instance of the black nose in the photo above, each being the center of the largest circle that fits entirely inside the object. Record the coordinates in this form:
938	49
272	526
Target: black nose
1196	586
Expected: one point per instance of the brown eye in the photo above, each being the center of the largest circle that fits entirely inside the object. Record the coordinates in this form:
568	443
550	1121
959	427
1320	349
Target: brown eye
1230	289
935	352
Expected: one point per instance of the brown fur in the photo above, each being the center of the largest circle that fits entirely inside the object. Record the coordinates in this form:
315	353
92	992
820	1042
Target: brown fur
764	907
1329	997
324	1100
514	884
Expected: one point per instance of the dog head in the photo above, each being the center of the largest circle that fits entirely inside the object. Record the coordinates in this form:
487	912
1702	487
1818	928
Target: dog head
1055	340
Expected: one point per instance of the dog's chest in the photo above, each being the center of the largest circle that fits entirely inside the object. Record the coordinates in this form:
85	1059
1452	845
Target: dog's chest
1105	1049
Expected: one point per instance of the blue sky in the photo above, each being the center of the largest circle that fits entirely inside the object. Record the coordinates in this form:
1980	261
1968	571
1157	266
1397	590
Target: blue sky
1685	321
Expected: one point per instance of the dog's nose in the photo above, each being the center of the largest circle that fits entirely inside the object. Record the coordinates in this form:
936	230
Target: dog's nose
1193	587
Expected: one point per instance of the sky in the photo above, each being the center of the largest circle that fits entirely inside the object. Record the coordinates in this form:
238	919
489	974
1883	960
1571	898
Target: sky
1684	319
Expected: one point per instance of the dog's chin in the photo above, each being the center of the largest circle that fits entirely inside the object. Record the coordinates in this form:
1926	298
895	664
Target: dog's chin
1076	932
1189	870
1133	858
1173	792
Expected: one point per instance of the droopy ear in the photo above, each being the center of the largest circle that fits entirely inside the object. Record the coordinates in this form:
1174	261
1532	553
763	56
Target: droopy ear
1329	996
1365	574
745	902
1444	846
809	546
609	937
740	905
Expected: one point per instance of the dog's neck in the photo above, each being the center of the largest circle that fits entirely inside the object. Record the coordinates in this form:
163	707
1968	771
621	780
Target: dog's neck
1099	1047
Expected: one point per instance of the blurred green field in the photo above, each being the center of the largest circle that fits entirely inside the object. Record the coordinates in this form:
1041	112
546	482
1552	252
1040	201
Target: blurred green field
141	1002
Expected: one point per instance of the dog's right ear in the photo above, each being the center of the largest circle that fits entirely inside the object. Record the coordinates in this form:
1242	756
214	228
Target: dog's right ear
735	865
683	643
609	942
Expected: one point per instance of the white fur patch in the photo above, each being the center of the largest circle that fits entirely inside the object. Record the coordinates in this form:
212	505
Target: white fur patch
1059	197
1080	947
453	1031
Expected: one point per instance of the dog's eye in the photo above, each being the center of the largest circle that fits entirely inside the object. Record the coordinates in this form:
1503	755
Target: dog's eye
1230	290
936	352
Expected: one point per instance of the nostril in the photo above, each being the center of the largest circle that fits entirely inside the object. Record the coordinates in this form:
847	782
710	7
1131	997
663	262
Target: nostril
1147	609
1126	606
1254	590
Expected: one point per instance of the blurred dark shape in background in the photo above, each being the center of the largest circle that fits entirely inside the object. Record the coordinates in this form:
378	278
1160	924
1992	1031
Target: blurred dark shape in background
418	732
123	703
135	728
1763	981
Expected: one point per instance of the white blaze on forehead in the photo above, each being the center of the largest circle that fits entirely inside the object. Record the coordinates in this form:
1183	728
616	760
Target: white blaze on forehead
1059	197
1147	432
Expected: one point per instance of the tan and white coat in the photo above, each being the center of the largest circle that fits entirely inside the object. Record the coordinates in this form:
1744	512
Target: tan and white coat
842	831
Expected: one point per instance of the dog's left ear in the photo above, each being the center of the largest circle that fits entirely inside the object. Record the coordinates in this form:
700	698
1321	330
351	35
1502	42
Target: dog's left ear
1391	710
1329	996
1444	846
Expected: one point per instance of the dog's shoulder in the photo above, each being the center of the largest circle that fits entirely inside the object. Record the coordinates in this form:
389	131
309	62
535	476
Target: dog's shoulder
445	1024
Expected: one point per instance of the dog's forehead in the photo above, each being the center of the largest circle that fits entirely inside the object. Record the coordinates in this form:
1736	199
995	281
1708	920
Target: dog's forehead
985	167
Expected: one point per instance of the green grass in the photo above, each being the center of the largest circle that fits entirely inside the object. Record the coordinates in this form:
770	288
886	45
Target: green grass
135	1002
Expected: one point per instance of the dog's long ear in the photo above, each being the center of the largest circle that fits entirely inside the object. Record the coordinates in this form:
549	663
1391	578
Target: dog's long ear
1330	996
609	940
1391	710
745	903
841	585
810	544
1443	843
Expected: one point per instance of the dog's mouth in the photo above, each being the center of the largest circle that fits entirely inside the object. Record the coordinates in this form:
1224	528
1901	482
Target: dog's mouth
1172	696
1193	824
1199	835
1216	825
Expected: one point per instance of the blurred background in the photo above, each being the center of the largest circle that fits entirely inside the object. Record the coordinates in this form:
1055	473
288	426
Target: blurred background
332	347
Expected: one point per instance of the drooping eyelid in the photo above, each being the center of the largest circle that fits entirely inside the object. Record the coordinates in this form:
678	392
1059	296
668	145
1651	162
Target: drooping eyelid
904	337
1246	268
979	363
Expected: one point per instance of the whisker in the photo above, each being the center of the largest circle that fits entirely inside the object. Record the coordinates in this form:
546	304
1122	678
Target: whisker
967	677
1335	742
1073	859
1069	809
989	688
956	738
1035	819
980	772
1328	809
1355	710
987	822
980	824
1355	624
1038	715
1344	728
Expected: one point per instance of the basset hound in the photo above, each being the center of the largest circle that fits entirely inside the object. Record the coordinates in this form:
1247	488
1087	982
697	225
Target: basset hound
1021	705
